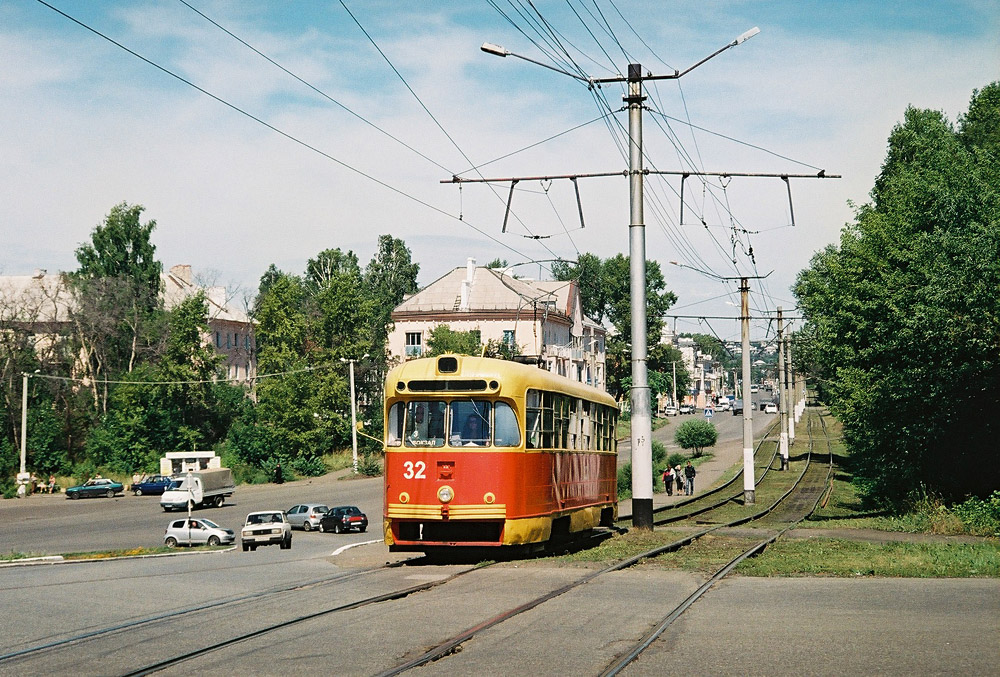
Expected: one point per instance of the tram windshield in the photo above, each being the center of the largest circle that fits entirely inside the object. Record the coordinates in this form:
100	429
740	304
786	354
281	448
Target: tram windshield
460	423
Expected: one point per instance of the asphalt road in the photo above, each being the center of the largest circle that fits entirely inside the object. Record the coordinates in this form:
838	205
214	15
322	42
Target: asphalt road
47	525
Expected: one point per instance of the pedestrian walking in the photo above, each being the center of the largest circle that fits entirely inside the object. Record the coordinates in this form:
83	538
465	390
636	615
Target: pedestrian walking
668	480
689	473
678	479
279	477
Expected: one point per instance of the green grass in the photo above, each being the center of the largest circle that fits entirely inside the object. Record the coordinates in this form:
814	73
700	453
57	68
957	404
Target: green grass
136	552
801	557
842	558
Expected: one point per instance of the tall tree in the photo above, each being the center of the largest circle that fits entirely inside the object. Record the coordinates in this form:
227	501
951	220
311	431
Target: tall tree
903	315
116	310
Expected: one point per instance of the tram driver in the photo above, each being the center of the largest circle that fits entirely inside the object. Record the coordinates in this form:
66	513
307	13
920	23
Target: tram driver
474	432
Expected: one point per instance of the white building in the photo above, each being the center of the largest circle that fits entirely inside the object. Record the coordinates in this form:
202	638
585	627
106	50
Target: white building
42	303
543	318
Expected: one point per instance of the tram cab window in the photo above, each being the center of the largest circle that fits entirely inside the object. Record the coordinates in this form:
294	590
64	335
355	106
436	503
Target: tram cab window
505	429
470	423
424	423
394	425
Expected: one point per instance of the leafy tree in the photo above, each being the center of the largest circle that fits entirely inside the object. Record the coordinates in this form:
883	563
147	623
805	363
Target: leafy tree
696	434
605	294
443	339
390	276
116	298
121	248
173	406
902	315
497	264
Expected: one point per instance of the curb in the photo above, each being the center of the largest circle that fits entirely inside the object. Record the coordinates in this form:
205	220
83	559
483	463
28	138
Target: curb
59	559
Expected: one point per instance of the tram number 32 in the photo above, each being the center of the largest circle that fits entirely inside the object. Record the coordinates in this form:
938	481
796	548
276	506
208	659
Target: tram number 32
414	470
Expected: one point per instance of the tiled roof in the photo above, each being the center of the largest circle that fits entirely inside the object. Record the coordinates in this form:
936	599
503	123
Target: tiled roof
490	289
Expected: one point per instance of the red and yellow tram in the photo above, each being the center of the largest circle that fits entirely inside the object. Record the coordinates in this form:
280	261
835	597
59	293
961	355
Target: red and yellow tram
488	453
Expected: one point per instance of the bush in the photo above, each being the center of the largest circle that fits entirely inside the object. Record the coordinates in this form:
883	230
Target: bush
676	459
659	454
981	518
697	435
309	467
625	482
370	465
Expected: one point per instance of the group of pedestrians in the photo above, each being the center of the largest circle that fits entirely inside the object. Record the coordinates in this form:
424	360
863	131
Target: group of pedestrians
681	478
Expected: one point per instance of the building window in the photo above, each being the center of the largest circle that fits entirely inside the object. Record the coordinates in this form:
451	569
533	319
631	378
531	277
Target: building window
508	338
414	348
227	341
218	339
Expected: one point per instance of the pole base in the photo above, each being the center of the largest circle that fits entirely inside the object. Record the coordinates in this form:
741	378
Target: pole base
642	513
749	497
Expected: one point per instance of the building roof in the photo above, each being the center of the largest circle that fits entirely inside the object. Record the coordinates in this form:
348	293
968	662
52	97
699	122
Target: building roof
44	297
475	289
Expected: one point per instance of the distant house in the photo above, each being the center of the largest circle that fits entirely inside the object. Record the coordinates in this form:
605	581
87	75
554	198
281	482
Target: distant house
543	318
42	304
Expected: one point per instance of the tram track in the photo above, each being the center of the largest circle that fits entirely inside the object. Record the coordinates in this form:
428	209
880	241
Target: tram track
227	604
308	619
452	644
804	505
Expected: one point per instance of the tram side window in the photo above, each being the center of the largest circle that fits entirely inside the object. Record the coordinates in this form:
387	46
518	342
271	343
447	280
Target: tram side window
533	419
425	423
505	430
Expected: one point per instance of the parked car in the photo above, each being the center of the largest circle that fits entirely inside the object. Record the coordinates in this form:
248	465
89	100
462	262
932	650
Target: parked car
98	486
770	408
737	407
686	409
670	410
306	515
344	518
151	486
196	532
723	405
266	527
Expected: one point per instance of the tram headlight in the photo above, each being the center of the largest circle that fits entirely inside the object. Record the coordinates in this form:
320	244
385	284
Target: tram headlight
404	497
445	494
489	497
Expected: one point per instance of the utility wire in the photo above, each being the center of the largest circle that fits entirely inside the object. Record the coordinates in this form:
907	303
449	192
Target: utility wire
288	136
309	85
429	113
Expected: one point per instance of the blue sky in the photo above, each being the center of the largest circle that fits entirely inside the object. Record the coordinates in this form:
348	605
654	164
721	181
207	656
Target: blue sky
85	125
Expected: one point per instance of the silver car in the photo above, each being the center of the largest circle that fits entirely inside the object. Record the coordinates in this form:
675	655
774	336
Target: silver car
196	532
306	515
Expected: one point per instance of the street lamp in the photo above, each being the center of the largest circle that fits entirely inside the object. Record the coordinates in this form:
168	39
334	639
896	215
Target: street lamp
354	413
641	428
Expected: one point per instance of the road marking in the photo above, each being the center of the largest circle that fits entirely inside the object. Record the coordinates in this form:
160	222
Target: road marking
353	545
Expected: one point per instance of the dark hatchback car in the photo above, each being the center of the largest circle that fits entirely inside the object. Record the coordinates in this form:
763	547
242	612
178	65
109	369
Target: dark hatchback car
151	486
343	518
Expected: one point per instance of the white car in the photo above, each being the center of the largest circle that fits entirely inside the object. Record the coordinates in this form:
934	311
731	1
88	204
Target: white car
196	532
670	410
266	527
770	408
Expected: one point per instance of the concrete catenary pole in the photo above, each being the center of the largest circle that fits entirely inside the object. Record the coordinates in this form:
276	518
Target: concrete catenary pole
749	497
642	426
673	367
24	422
789	393
782	396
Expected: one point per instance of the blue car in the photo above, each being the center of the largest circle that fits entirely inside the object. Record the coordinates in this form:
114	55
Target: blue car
151	486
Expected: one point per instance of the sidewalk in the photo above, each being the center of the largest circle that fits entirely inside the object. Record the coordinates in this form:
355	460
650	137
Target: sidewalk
724	456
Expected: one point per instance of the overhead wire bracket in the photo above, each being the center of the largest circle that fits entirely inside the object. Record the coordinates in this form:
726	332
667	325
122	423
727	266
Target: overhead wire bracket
510	196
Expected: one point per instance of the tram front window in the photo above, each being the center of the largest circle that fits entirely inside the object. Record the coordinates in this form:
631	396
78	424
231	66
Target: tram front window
470	424
424	423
